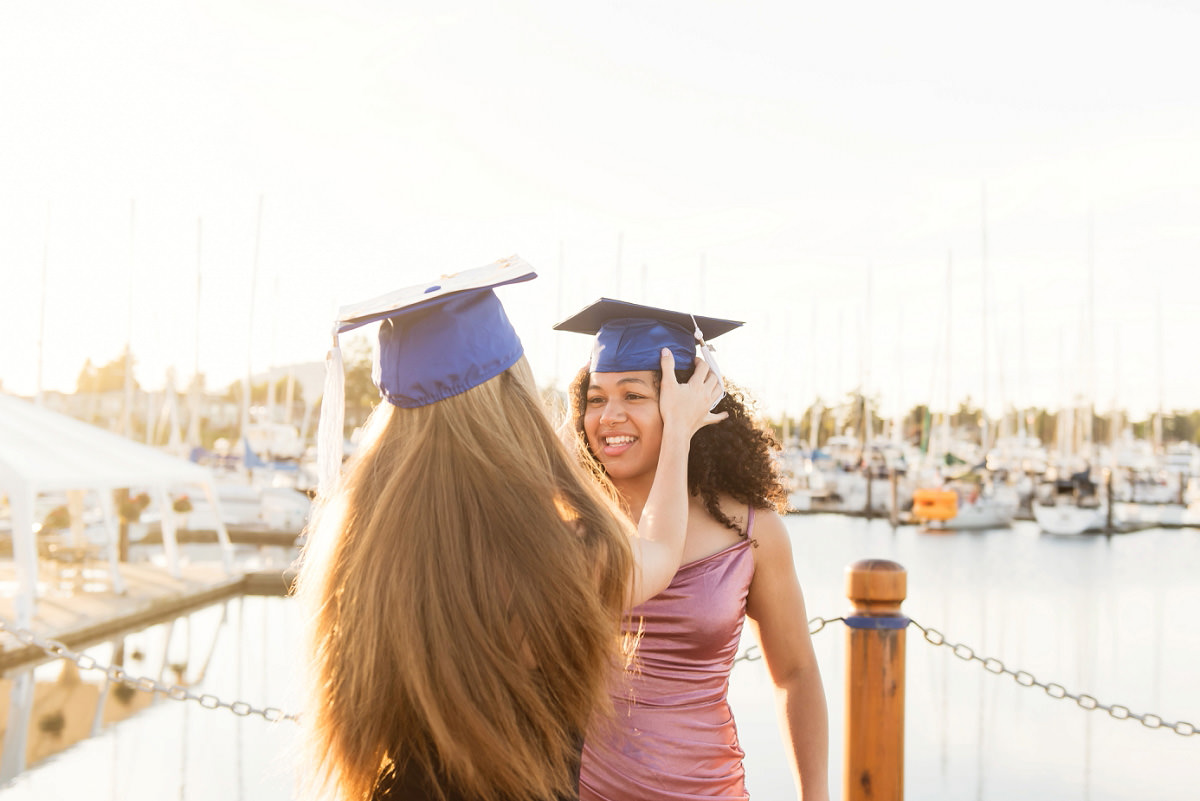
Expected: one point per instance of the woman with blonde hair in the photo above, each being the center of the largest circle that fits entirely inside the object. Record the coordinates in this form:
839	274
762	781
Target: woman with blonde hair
464	581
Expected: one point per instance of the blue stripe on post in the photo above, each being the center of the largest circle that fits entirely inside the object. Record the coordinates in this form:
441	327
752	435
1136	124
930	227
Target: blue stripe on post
875	623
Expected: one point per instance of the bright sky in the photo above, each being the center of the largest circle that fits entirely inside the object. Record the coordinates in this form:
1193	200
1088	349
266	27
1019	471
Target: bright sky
850	179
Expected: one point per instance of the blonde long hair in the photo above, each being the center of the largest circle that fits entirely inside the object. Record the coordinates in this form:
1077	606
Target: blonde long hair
464	587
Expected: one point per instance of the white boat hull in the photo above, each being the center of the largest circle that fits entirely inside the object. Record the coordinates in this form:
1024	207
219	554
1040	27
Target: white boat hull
1069	519
1157	514
982	514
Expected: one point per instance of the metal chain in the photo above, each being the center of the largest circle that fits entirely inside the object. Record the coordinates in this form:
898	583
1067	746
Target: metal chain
749	655
816	624
176	692
117	675
1053	689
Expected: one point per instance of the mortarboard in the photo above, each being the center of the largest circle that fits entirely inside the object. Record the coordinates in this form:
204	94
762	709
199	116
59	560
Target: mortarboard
630	336
436	340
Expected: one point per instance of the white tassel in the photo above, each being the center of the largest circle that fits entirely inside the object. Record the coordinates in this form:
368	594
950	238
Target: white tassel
706	353
331	428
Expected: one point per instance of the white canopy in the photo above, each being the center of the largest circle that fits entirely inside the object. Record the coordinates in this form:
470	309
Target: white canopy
43	451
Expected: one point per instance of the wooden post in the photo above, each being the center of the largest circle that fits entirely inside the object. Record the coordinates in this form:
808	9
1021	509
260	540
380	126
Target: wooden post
121	498
867	511
874	758
894	499
1108	501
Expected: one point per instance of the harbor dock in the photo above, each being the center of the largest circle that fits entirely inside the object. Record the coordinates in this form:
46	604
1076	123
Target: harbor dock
79	608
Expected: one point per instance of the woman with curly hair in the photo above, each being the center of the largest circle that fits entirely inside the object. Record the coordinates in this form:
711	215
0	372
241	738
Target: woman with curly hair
463	580
673	736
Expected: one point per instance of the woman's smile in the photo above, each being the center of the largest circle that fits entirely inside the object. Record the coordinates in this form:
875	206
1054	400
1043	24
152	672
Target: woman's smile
616	444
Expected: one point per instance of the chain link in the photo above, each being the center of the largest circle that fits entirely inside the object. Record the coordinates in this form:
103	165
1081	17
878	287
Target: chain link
1053	689
749	655
117	675
176	692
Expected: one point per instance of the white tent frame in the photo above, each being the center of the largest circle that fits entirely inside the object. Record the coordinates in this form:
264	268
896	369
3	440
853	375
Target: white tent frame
43	451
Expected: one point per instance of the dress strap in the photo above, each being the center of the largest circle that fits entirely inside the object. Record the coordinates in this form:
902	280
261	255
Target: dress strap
749	520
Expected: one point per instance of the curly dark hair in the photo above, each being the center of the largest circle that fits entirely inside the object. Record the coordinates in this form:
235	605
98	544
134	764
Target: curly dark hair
733	457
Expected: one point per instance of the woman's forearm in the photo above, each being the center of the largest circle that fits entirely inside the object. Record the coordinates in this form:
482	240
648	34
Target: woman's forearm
662	527
804	721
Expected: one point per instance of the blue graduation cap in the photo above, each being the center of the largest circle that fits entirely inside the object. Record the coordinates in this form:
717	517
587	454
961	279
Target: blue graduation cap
436	340
630	336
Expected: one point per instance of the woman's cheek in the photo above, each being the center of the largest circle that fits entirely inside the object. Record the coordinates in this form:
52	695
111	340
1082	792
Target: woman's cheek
590	424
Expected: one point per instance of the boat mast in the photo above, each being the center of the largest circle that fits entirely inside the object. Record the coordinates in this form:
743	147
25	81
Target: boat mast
271	358
1023	374
984	438
1089	364
949	324
1157	432
37	399
865	377
193	435
127	407
250	332
814	414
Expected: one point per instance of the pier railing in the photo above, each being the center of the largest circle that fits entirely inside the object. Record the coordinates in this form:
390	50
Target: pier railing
875	641
874	696
874	692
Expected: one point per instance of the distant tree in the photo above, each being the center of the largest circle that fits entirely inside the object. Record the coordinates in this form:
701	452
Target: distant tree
814	417
1181	426
361	394
259	392
968	418
87	380
281	387
1101	428
105	378
917	425
858	421
826	425
1045	426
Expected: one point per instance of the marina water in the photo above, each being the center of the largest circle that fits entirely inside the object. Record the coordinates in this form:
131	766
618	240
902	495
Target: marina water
1111	617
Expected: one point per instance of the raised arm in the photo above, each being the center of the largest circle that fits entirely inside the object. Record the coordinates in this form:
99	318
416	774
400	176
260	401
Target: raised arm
775	606
685	409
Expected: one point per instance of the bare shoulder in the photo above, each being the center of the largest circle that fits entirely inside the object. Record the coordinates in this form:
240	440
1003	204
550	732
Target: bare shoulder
771	535
775	596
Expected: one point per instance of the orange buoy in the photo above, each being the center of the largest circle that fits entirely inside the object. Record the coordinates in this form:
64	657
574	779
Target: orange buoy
934	505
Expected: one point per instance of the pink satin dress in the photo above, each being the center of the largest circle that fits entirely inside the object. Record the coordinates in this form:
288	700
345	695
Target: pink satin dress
673	736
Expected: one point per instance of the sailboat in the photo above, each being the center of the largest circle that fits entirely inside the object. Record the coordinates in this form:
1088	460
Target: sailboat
1068	503
1070	506
965	504
972	499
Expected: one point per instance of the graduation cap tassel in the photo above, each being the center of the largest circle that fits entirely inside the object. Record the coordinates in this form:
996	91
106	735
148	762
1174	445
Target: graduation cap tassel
331	428
706	353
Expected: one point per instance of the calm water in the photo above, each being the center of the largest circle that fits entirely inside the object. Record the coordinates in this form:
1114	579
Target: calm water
1112	617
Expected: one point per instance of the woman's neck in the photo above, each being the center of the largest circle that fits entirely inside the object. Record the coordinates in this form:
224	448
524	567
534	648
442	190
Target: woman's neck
634	493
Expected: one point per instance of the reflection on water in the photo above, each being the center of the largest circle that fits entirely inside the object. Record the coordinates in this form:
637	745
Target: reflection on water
1111	617
153	748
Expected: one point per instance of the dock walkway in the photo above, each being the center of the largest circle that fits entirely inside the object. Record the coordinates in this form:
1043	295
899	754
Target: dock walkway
80	608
